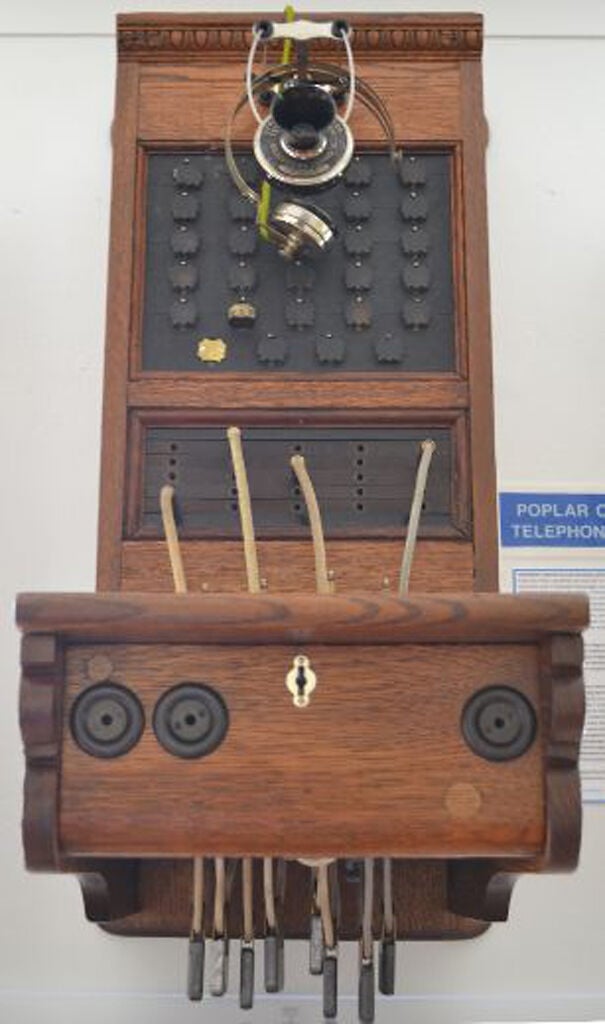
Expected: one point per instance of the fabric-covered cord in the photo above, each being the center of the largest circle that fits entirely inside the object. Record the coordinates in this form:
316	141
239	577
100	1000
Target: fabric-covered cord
319	548
197	921
269	894
219	896
427	449
367	938
387	896
248	898
323	902
234	436
172	539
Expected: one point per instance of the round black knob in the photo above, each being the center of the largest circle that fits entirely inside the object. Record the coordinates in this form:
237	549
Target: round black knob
191	720
107	720
499	723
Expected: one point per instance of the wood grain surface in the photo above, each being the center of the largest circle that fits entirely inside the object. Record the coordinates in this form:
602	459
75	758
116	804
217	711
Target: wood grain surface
119	286
416	393
367	769
473	230
262	619
217	566
179	103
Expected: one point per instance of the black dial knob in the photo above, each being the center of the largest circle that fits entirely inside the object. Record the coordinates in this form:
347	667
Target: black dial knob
107	720
190	720
499	723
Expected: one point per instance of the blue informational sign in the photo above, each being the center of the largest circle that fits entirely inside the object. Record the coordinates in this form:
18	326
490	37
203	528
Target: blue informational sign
539	520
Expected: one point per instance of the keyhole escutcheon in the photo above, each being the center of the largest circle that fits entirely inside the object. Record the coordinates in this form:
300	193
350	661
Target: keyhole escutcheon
301	681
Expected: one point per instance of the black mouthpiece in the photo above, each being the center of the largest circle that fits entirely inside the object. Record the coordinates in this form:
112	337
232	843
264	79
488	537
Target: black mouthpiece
303	110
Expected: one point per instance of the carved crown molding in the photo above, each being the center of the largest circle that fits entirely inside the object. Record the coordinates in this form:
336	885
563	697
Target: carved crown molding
167	37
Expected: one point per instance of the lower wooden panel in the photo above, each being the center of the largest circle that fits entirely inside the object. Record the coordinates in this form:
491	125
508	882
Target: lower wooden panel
439	566
375	766
403	764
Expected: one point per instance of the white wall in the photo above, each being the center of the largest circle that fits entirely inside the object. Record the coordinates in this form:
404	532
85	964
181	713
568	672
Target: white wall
545	86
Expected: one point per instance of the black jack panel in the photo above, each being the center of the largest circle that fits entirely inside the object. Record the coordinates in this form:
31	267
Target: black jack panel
380	300
363	477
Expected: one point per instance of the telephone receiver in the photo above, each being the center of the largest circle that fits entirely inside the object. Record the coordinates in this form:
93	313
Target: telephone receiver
304	142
